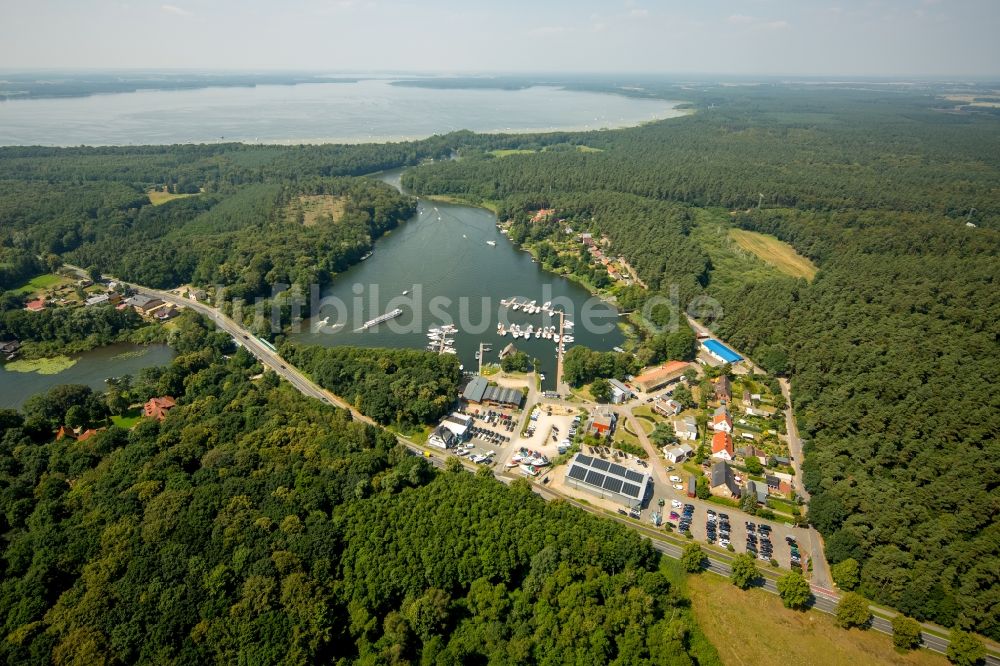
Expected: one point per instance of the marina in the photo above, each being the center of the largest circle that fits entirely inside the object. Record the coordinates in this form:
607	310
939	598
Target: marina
430	259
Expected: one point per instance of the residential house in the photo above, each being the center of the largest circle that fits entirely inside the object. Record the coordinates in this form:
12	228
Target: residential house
667	407
747	400
723	389
721	421
144	304
36	305
601	425
752	452
722	481
678	454
197	295
686	429
543	214
163	314
619	392
99	299
659	377
759	489
158	407
722	446
443	438
587	239
87	434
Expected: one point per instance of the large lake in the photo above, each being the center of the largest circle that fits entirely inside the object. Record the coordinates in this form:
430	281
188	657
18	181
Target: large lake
366	111
453	275
91	369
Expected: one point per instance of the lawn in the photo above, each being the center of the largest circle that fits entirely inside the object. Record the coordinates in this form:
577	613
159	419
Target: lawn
38	283
159	197
779	254
128	421
753	627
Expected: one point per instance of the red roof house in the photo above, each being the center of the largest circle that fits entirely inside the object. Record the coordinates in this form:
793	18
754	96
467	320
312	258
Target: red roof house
722	446
158	407
35	306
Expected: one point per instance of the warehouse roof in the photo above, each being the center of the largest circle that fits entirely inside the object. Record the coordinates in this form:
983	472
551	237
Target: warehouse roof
722	351
608	476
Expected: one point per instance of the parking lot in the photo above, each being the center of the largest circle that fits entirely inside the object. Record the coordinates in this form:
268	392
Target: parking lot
492	432
713	529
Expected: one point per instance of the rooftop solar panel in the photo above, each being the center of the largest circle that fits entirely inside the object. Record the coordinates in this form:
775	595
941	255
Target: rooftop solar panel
577	472
602	465
595	478
617	470
634	476
630	490
585	460
613	484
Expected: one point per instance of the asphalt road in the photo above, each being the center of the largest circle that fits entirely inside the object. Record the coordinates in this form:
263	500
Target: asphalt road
716	563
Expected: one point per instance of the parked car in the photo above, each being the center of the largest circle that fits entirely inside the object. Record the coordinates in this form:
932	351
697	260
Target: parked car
678	486
675	478
676	504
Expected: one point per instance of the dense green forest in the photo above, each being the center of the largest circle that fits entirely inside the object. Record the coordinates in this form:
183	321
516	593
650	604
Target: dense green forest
255	525
892	349
402	387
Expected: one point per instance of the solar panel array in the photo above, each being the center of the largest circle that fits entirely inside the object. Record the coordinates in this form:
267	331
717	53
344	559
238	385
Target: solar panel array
634	476
608	476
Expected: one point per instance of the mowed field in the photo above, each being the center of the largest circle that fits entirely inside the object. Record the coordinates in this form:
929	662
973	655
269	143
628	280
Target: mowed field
752	627
779	254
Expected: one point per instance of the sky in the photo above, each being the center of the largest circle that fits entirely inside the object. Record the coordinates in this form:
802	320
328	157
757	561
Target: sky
883	38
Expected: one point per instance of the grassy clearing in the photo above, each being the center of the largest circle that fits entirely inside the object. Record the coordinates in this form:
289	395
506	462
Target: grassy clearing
511	151
39	283
731	265
779	254
753	627
309	209
507	152
159	197
43	366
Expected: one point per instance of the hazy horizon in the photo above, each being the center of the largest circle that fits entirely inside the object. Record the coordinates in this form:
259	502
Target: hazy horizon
923	39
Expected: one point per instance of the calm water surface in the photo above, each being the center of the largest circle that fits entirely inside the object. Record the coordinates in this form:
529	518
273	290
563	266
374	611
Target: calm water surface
370	110
92	368
441	256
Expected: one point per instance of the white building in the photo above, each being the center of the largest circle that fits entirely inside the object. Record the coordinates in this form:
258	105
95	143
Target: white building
458	424
619	392
442	438
678	454
686	429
